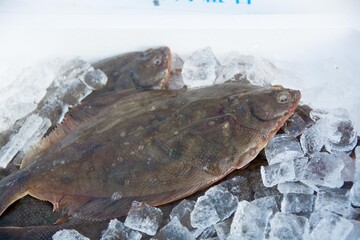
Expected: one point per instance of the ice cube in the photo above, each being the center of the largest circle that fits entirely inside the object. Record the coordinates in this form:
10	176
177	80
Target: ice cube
332	227
340	132
298	203
348	171
30	132
68	234
314	138
224	202
277	173
334	200
252	218
117	230
342	135
143	218
200	68
323	169
355	190
288	226
174	231
208	233
182	212
298	122
175	77
216	205
258	187
204	213
239	187
223	229
282	148
247	69
294	187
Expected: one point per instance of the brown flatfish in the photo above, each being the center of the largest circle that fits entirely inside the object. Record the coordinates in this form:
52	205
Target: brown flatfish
152	146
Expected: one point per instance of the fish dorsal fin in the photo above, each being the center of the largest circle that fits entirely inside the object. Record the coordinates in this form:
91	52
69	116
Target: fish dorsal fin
80	114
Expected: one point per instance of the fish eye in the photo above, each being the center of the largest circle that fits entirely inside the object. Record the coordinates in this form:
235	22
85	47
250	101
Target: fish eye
157	61
283	97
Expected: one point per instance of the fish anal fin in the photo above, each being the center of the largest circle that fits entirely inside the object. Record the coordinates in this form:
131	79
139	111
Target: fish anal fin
105	208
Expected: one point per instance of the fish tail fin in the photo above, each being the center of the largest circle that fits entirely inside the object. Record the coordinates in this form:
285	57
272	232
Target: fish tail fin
12	188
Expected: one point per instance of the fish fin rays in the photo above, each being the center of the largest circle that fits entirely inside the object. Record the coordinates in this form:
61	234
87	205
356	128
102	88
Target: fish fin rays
105	208
73	119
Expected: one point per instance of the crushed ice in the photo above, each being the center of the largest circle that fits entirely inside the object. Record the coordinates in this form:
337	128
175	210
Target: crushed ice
309	190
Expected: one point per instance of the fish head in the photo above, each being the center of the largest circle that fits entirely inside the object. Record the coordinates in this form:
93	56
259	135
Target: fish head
152	69
257	115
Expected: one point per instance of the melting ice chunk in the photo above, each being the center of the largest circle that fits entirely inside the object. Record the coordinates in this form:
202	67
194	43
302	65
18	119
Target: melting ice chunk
216	205
332	227
239	187
225	203
117	230
281	148
339	131
251	219
32	130
294	187
278	173
68	235
200	68
313	138
143	218
204	213
334	200
284	226
175	231
247	69
297	203
323	169
182	212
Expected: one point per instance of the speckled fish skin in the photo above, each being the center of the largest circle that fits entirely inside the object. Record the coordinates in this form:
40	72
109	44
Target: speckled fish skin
149	69
153	146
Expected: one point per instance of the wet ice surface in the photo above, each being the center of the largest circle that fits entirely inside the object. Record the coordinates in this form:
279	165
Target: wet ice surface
68	235
117	230
143	218
246	69
200	69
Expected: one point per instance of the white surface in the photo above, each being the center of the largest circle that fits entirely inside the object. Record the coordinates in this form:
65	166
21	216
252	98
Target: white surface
317	44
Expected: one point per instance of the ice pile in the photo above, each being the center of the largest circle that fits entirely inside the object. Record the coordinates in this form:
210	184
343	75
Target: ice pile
74	80
246	69
203	69
200	69
309	190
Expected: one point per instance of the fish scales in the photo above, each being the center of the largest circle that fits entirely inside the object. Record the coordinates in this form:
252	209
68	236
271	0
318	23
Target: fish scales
154	147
